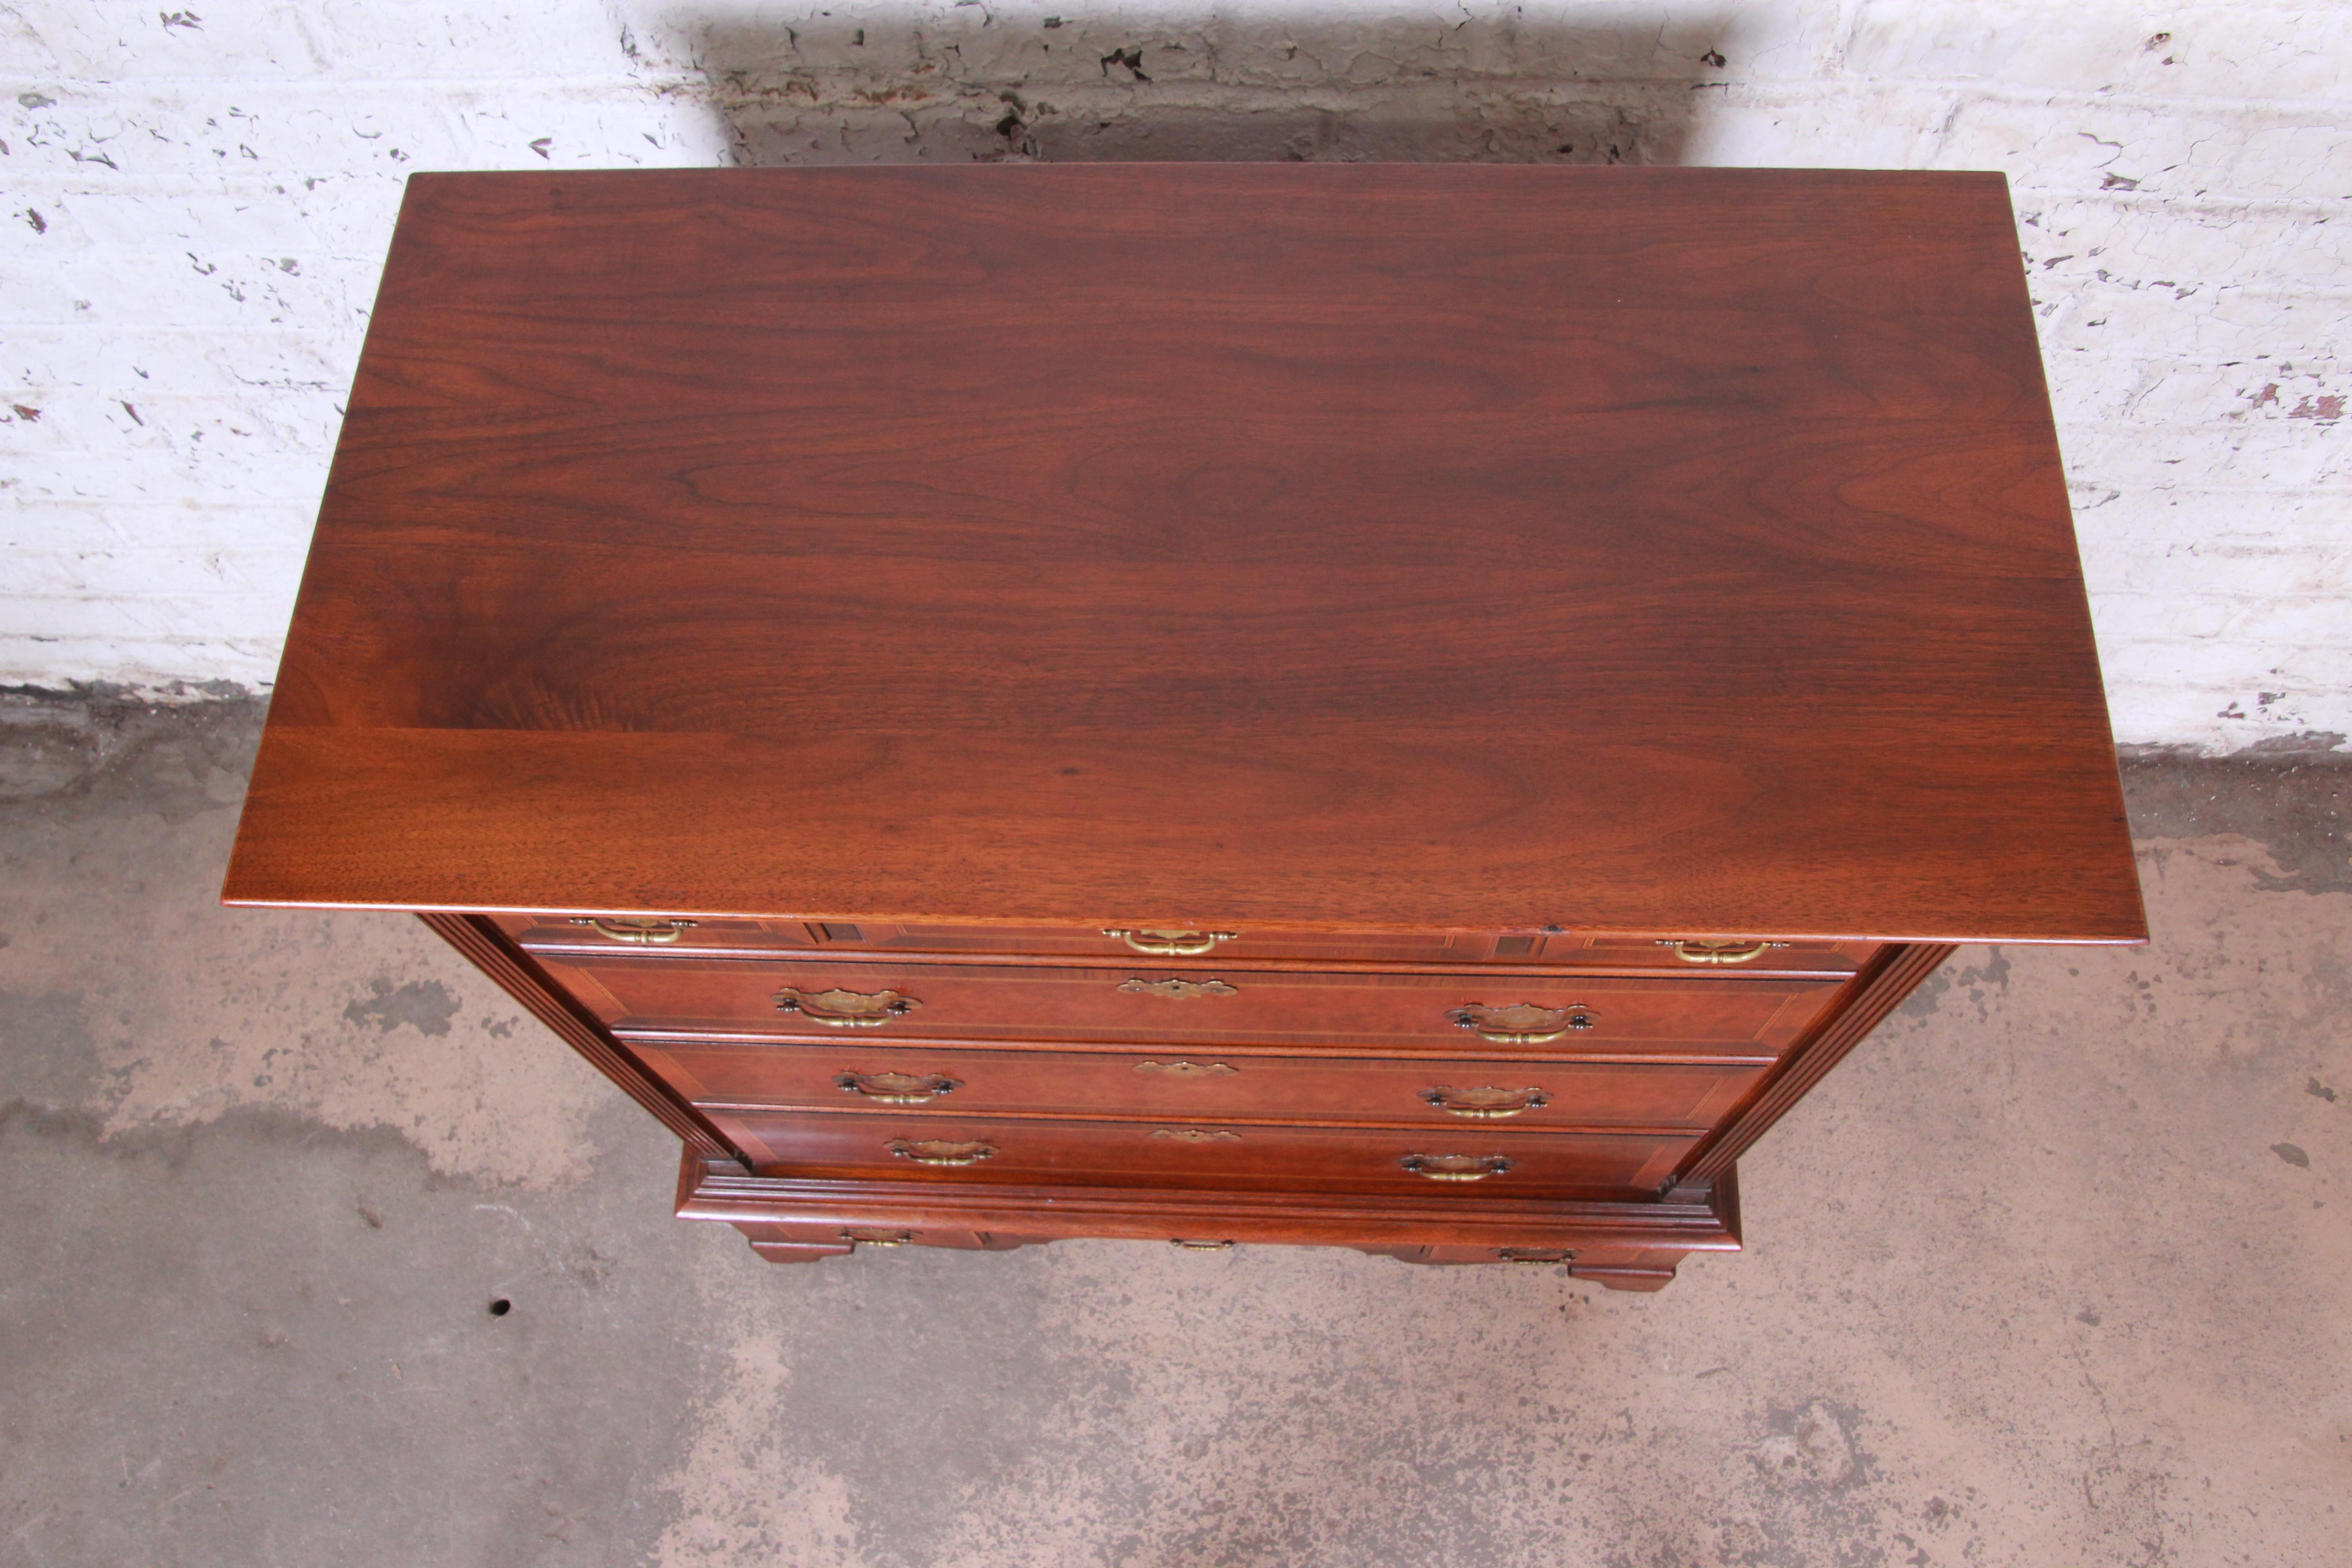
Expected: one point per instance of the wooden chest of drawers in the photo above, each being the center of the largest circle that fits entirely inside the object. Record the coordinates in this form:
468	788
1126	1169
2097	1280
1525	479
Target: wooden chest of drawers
1416	709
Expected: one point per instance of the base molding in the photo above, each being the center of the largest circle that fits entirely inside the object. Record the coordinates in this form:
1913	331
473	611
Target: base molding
1623	1246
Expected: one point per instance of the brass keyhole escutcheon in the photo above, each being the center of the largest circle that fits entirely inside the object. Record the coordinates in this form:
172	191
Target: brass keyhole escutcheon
1178	990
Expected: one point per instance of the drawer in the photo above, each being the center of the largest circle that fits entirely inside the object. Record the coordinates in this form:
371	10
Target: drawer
1240	1157
712	934
1369	1014
882	1078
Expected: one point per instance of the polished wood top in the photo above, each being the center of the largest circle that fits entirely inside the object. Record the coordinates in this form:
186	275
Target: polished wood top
1473	546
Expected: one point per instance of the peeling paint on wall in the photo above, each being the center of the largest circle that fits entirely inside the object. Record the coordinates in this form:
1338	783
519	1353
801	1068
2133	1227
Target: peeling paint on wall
197	206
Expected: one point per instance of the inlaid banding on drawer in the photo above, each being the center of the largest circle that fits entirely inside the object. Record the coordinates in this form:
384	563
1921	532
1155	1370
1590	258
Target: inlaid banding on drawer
1184	947
1455	1014
1252	1158
1496	1096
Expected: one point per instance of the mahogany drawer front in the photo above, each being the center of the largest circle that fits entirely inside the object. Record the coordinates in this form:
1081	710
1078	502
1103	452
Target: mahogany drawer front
1187	949
1497	1096
1238	1157
1456	1013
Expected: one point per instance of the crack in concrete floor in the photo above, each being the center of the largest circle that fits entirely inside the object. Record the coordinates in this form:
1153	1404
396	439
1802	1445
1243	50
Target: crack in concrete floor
2030	1278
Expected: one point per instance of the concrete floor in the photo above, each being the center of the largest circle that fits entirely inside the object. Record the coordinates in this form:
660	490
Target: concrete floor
2056	1270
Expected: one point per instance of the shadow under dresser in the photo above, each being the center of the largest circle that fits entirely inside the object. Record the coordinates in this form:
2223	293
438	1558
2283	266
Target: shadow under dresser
1409	708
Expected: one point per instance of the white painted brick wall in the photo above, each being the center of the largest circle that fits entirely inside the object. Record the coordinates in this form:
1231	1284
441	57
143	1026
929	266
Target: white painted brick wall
197	201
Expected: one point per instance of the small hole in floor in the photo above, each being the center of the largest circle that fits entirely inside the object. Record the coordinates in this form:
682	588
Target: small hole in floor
502	1307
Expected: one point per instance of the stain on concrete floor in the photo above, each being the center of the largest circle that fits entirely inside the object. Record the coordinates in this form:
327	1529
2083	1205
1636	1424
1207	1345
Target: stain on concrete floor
2028	1279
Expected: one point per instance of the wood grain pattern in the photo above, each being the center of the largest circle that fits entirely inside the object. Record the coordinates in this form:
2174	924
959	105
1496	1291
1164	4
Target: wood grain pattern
559	935
1032	1004
720	1189
1317	546
1191	1085
1622	1247
1345	1161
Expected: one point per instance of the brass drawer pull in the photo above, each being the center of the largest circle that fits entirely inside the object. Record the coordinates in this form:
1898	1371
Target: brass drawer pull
646	933
941	1152
877	1237
1196	1135
1189	1069
846	1009
1455	1167
1522	1023
1199	1245
1180	990
1486	1103
1170	943
1719	951
1534	1254
897	1088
